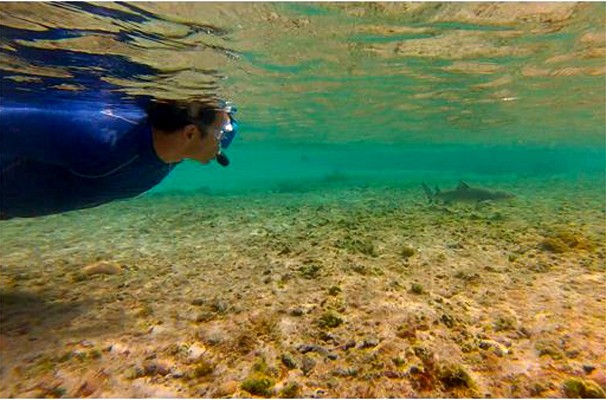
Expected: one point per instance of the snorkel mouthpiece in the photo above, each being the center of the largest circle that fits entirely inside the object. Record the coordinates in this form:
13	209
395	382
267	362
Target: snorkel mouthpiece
222	159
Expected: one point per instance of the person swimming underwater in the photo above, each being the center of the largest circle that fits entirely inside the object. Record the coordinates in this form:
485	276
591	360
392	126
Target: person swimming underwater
52	161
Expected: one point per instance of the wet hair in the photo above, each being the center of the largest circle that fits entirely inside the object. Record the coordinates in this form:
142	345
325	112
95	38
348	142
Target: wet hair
170	116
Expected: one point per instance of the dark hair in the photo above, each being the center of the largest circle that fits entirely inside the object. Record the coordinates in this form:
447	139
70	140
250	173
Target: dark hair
169	116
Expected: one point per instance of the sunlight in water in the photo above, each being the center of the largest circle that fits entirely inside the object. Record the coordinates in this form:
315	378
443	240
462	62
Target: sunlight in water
529	73
414	206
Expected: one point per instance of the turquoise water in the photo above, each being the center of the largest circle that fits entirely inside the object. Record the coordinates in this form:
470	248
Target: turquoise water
314	265
356	89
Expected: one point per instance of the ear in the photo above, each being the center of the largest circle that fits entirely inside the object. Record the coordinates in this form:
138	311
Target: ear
190	131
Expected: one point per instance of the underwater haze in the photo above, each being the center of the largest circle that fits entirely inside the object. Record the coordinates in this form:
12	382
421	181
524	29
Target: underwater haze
415	205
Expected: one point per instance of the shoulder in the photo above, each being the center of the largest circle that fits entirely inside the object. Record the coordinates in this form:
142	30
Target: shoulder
116	139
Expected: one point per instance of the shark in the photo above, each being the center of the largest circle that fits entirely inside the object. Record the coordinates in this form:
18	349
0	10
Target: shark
464	193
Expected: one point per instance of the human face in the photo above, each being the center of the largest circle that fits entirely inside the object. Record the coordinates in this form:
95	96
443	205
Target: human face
204	146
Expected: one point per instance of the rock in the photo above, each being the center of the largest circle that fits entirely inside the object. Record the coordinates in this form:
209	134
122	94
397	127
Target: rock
308	365
415	369
348	345
155	368
345	372
329	319
524	332
86	389
394	374
588	369
586	389
448	320
204	316
33	394
102	267
118	348
302	309
329	337
134	373
195	351
177	374
157	330
496	347
291	390
288	361
226	389
417	288
219	306
198	302
598	375
319	394
407	252
306	348
213	336
369	343
297	312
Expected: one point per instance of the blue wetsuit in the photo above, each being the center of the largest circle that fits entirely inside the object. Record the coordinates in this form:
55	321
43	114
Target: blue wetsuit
53	161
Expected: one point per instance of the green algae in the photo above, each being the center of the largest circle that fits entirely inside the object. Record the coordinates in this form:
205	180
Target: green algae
417	288
407	252
56	392
454	376
329	319
406	331
244	343
310	271
398	361
266	327
549	348
288	361
562	241
582	388
553	245
355	245
260	366
334	290
201	369
260	381
258	384
290	391
504	323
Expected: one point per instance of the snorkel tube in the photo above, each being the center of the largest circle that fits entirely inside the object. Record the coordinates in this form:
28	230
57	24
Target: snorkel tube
222	159
227	133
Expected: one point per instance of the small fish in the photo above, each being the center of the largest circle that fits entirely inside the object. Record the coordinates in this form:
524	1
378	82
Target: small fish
464	193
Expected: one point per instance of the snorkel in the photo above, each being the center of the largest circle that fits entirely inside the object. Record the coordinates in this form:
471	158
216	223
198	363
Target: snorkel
227	133
222	159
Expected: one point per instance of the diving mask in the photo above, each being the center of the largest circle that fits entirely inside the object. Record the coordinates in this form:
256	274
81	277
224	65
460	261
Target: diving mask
229	131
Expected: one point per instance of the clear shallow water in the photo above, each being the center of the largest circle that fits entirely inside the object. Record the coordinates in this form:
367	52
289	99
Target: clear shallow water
346	108
328	88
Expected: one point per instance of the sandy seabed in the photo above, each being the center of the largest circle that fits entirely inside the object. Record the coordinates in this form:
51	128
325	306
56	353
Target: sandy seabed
359	292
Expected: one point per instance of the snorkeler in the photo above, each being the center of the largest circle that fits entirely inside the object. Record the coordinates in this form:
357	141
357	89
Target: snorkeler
52	161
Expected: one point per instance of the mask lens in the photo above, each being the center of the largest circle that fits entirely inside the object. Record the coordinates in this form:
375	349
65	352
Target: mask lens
228	133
